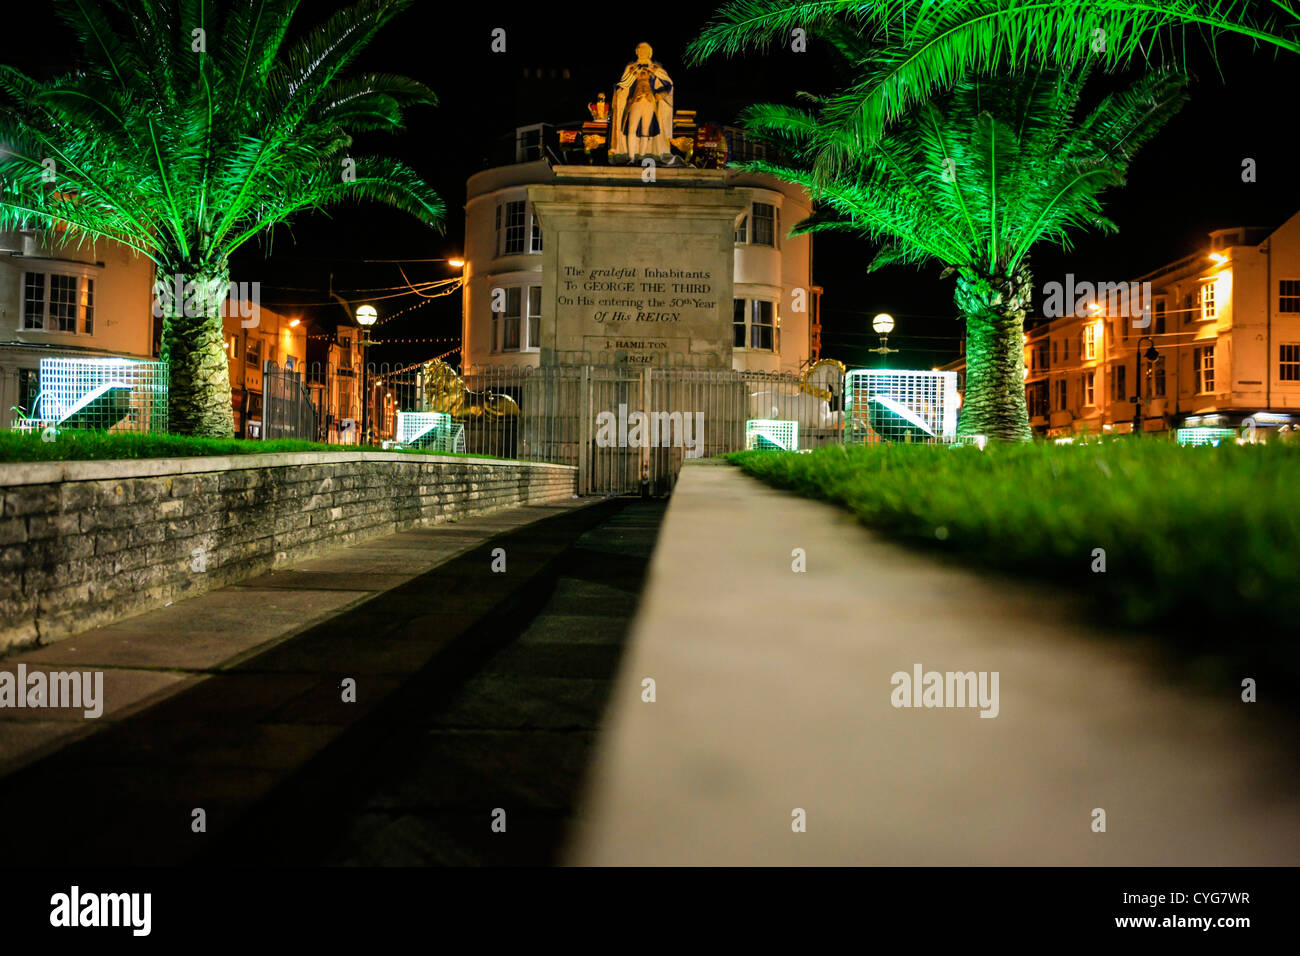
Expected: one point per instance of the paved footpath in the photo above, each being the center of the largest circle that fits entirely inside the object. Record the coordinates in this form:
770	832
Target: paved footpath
217	702
774	694
509	728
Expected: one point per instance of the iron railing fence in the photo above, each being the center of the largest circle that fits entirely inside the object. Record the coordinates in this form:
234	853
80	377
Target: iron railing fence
630	427
287	407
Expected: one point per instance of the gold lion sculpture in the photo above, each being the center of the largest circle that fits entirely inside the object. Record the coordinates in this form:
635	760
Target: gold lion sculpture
445	391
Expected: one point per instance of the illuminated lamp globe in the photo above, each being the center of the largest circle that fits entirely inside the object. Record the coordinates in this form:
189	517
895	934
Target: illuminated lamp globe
883	323
367	315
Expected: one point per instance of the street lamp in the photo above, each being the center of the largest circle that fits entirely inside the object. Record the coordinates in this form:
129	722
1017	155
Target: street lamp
883	324
366	317
1151	356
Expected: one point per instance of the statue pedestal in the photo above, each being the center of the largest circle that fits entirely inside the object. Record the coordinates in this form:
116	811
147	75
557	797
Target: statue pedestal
636	272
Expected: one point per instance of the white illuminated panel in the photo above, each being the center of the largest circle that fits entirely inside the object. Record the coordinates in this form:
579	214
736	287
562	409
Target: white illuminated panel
894	405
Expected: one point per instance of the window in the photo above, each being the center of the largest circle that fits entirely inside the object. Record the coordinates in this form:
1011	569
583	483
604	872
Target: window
1160	317
345	343
253	353
535	236
514	220
742	229
88	306
1159	376
1207	301
1090	342
534	316
513	313
1036	398
29	386
34	300
1203	363
762	325
1065	350
1053	351
1090	388
1288	295
760	316
1288	369
1060	394
519	327
58	302
528	144
63	304
764	224
1123	329
1189	306
1119	383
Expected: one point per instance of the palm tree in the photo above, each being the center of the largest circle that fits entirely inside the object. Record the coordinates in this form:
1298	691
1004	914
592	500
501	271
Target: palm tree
187	129
924	46
975	179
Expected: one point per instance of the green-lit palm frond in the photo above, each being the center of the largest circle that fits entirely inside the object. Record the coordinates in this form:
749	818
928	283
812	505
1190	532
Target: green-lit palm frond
977	177
185	144
741	25
924	46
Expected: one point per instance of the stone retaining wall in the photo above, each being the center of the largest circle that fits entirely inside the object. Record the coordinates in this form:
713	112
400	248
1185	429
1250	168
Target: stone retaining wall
83	544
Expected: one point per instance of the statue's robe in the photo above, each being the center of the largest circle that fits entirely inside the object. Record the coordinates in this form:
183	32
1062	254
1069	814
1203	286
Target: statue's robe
643	114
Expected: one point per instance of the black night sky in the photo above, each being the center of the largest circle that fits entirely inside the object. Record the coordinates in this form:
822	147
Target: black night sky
1184	184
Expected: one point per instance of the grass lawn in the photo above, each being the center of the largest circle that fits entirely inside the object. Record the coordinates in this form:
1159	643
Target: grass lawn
73	445
1202	541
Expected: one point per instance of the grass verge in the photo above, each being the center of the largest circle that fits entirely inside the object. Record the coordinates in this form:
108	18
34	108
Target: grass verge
1203	541
88	445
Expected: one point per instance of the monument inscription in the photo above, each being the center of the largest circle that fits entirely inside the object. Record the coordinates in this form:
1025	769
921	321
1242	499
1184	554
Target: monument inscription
608	300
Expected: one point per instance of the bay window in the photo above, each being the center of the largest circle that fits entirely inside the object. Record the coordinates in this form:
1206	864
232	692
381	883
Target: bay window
58	302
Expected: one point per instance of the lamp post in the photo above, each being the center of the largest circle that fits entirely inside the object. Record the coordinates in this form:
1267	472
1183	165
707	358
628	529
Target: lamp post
883	325
1151	356
366	317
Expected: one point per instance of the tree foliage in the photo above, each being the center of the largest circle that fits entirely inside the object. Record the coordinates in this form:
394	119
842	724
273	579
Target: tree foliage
188	127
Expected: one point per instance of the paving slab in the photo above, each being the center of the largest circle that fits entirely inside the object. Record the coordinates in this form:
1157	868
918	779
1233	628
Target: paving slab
202	632
158	666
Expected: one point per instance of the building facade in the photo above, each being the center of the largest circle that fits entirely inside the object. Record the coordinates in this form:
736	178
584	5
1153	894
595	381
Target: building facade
334	380
1224	324
264	336
78	301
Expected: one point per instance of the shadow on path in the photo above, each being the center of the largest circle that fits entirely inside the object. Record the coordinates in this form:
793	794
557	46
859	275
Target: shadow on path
506	723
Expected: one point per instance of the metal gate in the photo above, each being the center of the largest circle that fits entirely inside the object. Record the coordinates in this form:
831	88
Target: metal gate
628	428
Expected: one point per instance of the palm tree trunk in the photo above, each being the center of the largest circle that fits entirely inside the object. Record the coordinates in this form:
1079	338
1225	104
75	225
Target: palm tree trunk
994	401
193	345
